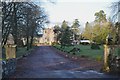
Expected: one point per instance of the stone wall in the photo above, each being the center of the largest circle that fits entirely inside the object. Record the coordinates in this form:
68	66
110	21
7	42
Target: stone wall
8	67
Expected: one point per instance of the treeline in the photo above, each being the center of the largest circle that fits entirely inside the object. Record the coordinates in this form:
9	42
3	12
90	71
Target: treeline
22	20
66	35
101	28
96	31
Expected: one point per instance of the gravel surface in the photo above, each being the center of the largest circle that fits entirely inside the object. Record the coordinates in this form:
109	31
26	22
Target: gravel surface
48	62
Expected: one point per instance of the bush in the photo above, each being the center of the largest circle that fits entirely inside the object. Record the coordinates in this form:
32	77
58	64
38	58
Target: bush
95	46
84	56
75	50
99	58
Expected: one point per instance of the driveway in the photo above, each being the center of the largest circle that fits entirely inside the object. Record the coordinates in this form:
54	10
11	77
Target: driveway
47	62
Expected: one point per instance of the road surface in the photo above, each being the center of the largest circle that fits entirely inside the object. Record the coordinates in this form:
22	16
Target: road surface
45	62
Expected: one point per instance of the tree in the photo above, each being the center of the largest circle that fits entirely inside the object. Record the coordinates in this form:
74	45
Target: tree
100	17
75	29
115	8
64	25
100	29
22	19
64	34
57	31
6	11
100	33
117	26
88	31
116	14
66	38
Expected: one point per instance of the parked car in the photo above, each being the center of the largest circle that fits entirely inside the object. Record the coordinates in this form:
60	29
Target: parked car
85	42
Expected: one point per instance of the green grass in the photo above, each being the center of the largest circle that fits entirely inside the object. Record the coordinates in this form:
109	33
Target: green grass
85	50
20	52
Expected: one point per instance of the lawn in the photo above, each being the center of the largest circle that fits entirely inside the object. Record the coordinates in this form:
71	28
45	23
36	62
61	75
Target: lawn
85	50
20	52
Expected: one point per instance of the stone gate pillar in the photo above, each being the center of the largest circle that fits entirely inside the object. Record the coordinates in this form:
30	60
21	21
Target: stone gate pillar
9	65
107	51
10	48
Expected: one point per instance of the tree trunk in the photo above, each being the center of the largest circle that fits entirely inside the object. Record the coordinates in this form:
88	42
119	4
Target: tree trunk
15	23
27	42
31	42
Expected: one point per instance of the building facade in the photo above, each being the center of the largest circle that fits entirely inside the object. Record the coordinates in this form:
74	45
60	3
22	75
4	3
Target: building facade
48	36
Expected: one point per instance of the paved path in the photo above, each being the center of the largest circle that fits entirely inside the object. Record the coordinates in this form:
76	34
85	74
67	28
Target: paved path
44	62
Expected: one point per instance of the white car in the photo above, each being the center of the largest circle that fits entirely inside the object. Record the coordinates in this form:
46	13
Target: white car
85	41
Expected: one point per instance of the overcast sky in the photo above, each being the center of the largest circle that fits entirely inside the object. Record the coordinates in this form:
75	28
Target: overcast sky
69	10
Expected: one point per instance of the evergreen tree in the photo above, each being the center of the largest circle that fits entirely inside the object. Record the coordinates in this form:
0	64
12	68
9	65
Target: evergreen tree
64	25
75	29
66	38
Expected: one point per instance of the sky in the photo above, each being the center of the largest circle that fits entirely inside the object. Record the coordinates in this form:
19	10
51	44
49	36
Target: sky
70	10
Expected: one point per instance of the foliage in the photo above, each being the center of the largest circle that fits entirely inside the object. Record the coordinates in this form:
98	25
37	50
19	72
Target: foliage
64	25
117	26
88	31
100	16
95	46
22	19
75	49
115	9
75	27
99	29
66	38
85	51
57	31
65	34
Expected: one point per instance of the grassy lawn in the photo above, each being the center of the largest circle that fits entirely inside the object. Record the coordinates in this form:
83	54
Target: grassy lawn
20	52
85	50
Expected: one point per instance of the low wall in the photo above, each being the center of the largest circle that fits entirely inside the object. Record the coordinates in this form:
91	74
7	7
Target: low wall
8	67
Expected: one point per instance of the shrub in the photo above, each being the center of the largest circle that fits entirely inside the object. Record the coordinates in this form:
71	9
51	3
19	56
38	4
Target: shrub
99	58
84	56
74	53
74	50
95	46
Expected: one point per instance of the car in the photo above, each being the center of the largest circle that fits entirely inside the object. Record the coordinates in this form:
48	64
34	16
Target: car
84	42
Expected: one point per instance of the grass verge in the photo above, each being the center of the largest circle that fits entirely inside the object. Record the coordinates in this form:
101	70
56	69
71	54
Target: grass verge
85	50
21	51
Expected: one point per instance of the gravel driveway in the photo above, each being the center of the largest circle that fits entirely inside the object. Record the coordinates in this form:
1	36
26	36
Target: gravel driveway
46	62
